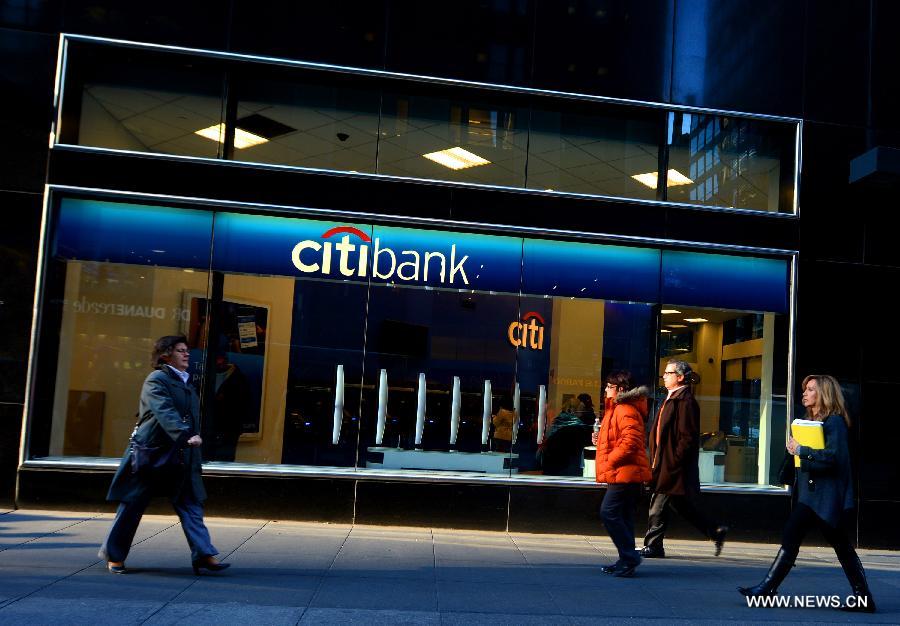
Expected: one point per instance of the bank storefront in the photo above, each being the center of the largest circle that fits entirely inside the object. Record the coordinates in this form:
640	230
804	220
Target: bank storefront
365	347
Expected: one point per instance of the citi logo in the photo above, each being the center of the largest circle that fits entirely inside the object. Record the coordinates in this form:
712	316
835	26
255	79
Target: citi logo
527	333
312	257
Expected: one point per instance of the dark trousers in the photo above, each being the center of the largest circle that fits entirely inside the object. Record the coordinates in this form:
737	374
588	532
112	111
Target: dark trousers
687	506
121	535
802	519
617	512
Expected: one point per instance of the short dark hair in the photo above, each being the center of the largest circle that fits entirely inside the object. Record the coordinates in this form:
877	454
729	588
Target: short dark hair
163	348
621	379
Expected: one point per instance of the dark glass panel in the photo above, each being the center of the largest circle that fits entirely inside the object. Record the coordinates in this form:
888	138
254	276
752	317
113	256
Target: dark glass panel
617	48
731	162
26	79
18	251
196	24
726	55
340	32
473	40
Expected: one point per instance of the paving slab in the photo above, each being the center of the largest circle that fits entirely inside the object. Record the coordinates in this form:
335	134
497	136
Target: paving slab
307	573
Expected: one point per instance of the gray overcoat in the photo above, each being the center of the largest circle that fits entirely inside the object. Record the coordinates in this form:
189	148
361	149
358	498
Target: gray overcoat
169	414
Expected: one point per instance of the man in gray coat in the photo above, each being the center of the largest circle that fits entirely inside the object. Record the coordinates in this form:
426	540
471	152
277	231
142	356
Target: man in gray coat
168	420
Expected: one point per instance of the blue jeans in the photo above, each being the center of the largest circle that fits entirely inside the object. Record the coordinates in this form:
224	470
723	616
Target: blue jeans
190	511
617	512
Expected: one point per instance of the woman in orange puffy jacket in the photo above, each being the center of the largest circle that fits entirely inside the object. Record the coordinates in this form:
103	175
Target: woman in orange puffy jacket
622	464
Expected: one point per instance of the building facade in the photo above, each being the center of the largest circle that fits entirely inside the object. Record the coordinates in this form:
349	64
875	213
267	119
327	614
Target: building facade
405	264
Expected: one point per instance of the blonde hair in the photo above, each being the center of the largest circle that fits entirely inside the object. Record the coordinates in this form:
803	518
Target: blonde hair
829	398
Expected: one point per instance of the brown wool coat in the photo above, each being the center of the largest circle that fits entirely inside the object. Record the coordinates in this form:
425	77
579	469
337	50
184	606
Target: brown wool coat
674	461
621	456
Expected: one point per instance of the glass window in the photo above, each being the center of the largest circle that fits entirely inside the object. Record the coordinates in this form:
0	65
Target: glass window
324	124
731	162
594	149
118	279
465	140
135	100
740	358
440	374
334	344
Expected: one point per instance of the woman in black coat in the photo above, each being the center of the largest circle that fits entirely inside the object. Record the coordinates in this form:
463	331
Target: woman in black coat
823	491
168	419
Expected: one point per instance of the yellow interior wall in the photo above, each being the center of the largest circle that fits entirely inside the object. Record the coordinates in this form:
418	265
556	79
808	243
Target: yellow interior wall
109	352
278	295
103	351
576	350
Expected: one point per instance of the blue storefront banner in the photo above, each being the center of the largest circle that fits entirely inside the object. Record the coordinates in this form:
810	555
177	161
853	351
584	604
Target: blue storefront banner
138	234
586	270
355	252
725	282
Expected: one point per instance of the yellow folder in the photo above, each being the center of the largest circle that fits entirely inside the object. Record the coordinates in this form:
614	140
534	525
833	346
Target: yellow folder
808	433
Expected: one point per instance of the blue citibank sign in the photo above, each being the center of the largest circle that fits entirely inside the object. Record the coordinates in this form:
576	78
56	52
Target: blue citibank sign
114	232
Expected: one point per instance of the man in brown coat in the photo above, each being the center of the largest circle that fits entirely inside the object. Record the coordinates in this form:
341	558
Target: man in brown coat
674	454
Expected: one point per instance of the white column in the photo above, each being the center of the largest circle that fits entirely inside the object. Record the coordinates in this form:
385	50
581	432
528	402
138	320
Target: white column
542	413
486	413
338	405
454	411
516	404
420	410
382	406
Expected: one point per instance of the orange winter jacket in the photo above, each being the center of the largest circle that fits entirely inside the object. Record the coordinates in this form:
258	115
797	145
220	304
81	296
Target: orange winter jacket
621	455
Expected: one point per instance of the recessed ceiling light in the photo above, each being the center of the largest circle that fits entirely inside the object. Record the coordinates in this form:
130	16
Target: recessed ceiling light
695	320
677	325
663	330
456	158
669	311
242	139
675	178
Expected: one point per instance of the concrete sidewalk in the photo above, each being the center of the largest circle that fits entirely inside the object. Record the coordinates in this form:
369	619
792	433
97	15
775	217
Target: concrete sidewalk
290	573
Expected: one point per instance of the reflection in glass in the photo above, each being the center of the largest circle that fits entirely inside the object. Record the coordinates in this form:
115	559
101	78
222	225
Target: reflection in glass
596	151
146	103
585	340
321	360
309	125
111	316
732	162
415	126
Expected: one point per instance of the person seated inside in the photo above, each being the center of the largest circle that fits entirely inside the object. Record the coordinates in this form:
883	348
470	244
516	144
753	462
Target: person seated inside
563	446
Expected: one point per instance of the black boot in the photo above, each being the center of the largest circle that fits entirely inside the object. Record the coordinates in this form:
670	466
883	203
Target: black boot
779	569
855	573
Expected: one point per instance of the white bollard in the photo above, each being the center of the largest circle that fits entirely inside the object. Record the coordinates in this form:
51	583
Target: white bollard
420	410
516	404
454	411
338	405
486	414
382	406
542	413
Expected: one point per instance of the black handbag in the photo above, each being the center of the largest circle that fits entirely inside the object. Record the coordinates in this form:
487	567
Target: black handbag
146	458
787	470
